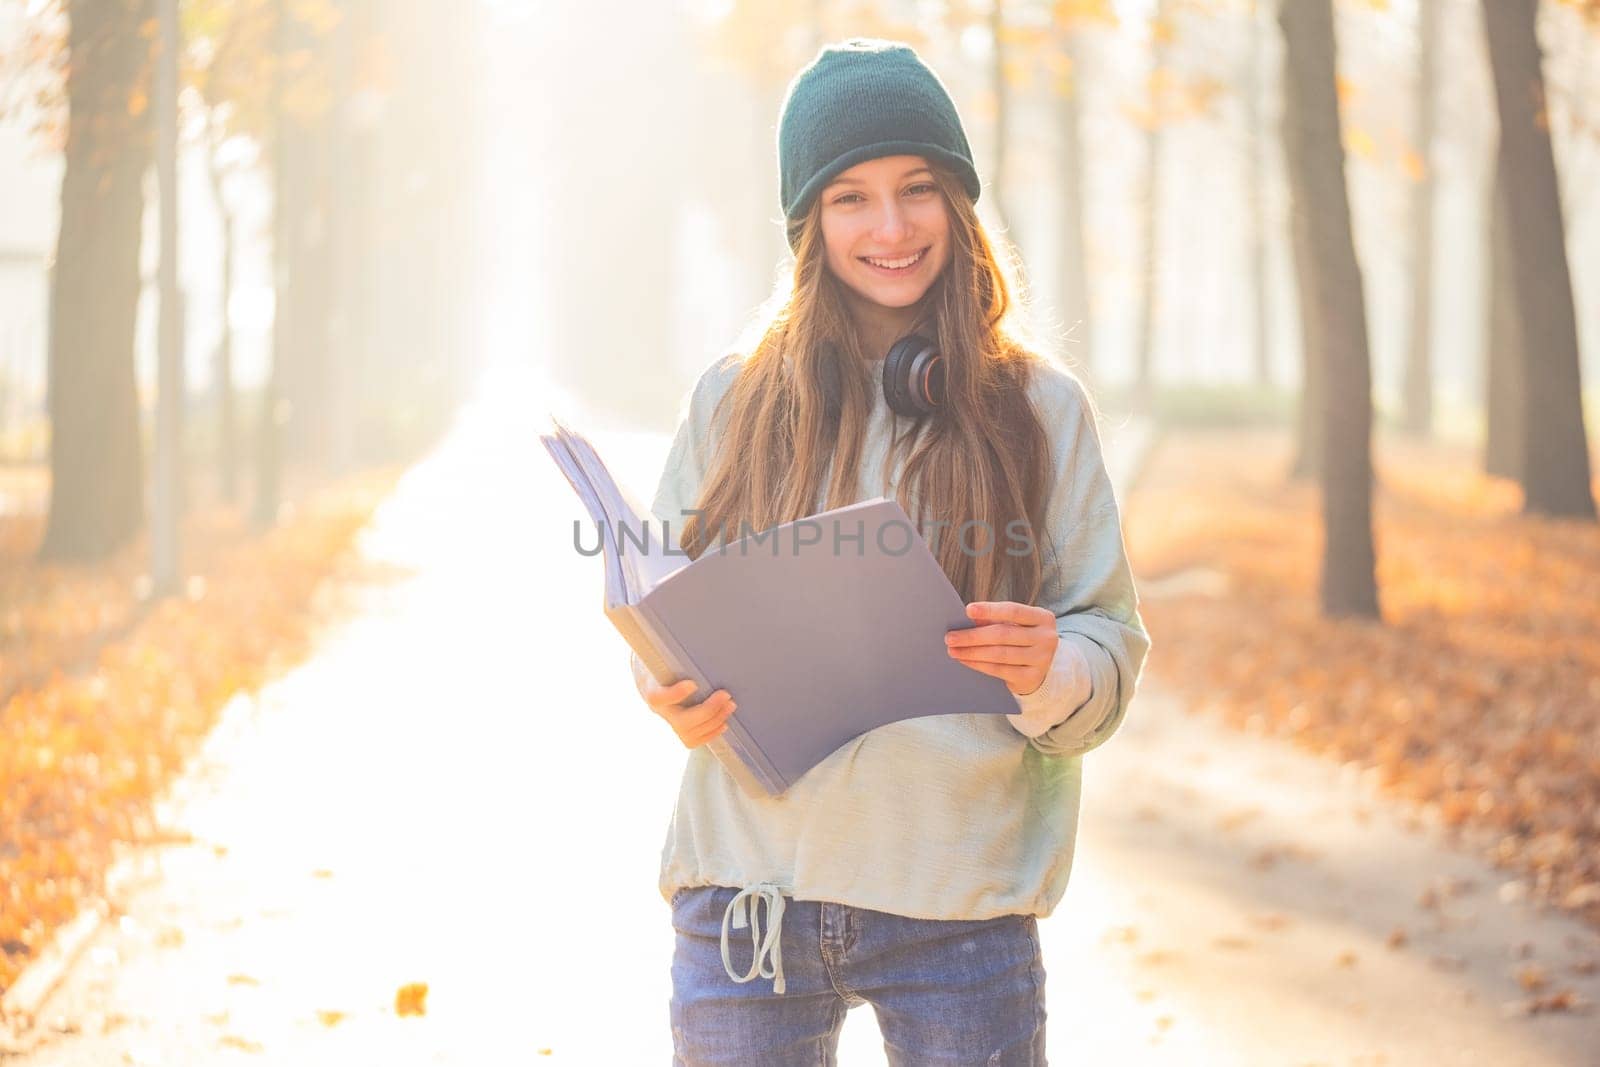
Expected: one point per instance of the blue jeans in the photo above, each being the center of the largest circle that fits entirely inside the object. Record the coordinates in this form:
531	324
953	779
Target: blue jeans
946	991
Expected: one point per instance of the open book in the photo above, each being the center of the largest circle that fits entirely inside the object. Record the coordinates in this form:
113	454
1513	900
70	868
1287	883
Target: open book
821	629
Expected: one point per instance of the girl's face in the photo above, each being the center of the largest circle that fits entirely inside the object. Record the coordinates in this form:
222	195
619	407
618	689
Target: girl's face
886	229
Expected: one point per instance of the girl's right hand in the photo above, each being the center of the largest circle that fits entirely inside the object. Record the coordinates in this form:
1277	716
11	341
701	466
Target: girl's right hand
695	724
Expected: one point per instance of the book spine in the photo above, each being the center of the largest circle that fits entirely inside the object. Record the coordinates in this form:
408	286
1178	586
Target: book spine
730	748
739	738
625	618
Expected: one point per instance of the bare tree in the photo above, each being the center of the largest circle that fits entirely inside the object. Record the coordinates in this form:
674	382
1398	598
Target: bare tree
96	460
1074	250
1255	194
1317	185
268	446
166	527
1418	386
1555	458
1308	438
222	360
1160	27
1503	360
997	79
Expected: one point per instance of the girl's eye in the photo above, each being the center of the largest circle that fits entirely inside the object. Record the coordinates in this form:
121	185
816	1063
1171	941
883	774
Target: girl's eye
918	189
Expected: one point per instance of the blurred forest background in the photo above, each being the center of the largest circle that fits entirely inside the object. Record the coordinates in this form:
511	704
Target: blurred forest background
415	187
255	254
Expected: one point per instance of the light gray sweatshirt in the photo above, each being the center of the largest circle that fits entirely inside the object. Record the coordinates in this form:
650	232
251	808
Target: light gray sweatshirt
941	816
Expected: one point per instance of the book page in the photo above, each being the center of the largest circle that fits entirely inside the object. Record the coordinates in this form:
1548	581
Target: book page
639	568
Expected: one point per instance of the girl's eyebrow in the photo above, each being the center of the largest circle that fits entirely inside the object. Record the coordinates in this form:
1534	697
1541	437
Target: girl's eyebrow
857	181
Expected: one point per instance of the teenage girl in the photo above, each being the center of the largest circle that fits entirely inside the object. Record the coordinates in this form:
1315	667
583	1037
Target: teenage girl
907	870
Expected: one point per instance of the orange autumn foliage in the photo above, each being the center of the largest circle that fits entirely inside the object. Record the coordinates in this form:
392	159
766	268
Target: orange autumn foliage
1477	696
103	697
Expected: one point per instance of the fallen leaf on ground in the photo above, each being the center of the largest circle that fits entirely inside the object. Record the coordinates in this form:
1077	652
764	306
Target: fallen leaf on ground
1159	956
1119	935
1532	977
409	999
1564	1001
1235	819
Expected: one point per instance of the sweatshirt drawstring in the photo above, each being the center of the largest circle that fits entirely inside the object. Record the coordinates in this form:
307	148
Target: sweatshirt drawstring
744	902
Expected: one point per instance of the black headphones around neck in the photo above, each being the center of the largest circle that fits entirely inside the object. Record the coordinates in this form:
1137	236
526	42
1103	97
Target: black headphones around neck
913	376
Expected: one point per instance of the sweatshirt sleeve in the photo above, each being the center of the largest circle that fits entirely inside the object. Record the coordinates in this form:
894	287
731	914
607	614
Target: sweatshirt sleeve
1088	584
1066	687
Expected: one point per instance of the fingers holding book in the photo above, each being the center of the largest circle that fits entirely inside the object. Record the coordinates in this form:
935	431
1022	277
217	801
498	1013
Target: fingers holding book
695	724
1014	642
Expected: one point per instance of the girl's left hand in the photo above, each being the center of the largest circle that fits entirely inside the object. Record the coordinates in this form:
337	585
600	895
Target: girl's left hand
1014	642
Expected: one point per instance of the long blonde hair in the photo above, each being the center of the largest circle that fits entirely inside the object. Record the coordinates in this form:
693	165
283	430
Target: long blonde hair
798	408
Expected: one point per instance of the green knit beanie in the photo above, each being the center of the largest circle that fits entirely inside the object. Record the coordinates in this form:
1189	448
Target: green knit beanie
863	99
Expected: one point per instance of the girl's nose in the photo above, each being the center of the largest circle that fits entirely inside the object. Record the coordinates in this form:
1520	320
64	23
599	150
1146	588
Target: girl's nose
892	224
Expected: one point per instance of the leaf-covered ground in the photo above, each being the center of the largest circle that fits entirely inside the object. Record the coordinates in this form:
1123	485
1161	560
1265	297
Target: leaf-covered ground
103	694
1478	696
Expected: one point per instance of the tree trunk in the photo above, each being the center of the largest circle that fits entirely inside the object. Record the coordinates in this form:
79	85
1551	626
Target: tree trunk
96	450
167	496
1555	471
227	423
1256	206
355	315
308	368
1150	273
997	76
1317	182
268	472
1308	441
1074	250
1503	357
303	374
1417	390
305	361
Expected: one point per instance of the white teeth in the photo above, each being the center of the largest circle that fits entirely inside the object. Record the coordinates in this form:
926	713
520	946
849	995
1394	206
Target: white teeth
895	264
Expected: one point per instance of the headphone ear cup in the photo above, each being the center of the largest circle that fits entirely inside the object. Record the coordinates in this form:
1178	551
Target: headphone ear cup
913	376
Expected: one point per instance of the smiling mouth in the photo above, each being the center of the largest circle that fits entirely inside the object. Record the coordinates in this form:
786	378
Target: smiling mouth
898	265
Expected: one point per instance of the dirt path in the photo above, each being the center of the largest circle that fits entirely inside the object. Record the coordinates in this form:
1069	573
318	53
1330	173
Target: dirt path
1266	907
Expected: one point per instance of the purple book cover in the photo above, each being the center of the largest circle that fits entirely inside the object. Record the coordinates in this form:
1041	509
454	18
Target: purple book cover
822	629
